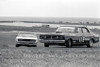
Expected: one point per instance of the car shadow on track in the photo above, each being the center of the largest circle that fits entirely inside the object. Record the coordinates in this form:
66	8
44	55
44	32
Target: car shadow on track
74	47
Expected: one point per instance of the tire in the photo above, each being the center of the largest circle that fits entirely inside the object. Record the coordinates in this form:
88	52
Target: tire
46	45
90	44
32	45
18	45
35	45
68	43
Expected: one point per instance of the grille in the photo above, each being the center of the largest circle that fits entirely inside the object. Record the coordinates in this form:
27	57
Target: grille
26	40
52	37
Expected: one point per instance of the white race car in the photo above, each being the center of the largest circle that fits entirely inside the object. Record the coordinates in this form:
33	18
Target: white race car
26	39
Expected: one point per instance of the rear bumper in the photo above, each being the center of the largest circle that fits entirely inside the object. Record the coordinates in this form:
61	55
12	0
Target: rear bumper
52	41
96	41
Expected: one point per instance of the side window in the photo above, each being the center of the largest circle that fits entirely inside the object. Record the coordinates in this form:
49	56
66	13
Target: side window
79	30
85	30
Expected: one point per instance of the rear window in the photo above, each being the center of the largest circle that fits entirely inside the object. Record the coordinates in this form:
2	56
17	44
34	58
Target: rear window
65	30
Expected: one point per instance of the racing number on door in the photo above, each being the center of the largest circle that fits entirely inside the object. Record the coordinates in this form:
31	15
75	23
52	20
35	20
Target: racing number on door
81	39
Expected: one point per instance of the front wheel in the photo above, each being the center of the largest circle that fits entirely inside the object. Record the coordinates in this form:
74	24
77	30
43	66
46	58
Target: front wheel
18	45
90	44
68	43
46	45
35	45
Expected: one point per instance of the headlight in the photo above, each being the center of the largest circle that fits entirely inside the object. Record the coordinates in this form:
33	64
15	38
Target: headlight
43	37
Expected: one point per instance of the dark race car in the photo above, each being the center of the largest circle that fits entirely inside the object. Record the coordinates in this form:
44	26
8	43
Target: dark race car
70	36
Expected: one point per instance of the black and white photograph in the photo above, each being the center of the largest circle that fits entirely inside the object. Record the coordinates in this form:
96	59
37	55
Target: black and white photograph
49	33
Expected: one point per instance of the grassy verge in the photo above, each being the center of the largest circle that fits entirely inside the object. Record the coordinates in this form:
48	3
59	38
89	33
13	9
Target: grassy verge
31	29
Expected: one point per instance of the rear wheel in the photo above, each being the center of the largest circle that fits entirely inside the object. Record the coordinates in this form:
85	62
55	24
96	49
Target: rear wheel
90	44
46	45
35	45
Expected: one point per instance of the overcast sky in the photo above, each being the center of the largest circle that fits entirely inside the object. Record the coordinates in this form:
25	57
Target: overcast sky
50	8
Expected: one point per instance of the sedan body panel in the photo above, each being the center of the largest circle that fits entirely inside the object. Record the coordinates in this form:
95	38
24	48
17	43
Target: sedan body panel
77	35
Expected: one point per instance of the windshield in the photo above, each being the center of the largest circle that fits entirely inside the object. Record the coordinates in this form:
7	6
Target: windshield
26	35
65	30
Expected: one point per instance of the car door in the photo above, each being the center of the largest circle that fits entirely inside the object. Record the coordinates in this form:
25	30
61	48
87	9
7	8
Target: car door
86	33
79	34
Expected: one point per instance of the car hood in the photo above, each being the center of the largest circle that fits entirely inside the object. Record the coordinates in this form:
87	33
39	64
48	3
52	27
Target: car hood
26	37
95	34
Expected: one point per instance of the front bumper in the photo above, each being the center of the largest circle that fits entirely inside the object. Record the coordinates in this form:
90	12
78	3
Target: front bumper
27	43
52	41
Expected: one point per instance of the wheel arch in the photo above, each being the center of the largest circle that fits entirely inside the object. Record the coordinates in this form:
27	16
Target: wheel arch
92	40
69	39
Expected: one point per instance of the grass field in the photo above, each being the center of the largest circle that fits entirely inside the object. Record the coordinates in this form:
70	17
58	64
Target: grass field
30	29
54	56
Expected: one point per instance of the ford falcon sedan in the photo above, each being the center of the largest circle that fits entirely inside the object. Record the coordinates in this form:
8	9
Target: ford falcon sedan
26	39
70	36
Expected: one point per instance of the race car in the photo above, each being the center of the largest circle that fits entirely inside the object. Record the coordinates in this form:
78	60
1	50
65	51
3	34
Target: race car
70	36
27	39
